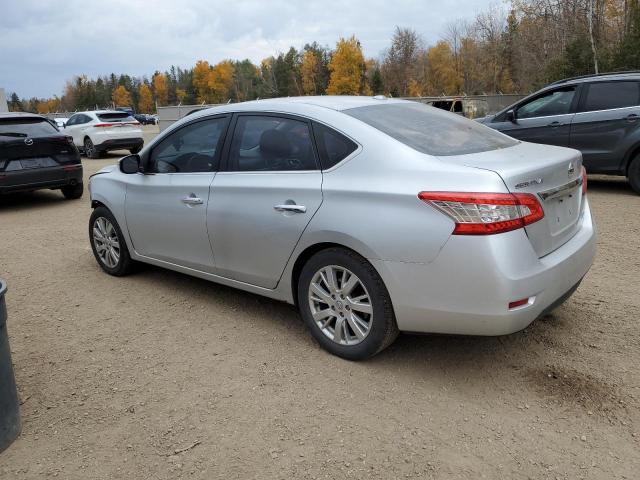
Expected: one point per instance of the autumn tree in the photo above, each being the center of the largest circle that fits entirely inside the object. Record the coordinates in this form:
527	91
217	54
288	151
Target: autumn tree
220	81
309	72
443	78
121	97
347	68
160	88
400	60
145	101
201	80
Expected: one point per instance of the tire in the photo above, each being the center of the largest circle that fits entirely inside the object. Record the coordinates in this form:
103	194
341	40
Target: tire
73	192
89	149
123	264
135	150
633	174
377	330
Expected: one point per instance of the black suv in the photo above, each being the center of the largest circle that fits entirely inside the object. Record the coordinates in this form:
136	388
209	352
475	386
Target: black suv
34	155
596	114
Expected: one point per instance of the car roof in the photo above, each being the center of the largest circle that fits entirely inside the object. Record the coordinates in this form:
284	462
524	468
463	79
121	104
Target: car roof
20	115
601	77
333	102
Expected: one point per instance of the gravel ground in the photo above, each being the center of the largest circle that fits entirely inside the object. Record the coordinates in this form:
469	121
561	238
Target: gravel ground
159	375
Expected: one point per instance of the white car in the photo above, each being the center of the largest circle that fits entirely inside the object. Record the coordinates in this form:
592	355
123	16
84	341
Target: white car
99	131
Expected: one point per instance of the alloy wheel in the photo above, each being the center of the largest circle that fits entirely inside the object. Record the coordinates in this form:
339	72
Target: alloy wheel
106	241
340	305
88	147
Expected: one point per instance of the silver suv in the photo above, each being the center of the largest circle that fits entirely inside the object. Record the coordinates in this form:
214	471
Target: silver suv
596	114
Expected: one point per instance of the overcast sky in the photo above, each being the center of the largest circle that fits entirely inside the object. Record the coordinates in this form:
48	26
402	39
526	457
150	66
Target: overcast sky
43	43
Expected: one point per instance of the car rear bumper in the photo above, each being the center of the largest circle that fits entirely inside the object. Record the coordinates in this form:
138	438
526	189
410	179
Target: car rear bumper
468	287
40	178
120	144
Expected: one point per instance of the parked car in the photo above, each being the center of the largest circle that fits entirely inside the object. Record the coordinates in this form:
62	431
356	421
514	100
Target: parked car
145	119
60	122
34	155
100	131
467	107
596	114
372	215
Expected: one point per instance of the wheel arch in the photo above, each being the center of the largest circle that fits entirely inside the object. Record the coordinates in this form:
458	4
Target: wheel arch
305	255
634	152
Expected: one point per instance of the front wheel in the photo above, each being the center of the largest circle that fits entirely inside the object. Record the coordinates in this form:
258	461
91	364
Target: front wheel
345	304
108	243
90	149
634	174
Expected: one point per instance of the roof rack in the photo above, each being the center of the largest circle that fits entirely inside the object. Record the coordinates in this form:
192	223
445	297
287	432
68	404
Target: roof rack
594	75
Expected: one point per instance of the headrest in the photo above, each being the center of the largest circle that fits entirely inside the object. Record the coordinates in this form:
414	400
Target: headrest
276	143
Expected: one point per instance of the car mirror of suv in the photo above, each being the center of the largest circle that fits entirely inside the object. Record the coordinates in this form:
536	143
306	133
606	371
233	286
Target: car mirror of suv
511	116
130	164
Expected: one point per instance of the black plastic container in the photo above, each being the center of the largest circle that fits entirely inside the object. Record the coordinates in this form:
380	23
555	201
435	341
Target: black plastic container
9	406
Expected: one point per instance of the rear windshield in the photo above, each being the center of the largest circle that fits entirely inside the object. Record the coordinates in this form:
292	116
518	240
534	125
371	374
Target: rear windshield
431	130
25	127
115	117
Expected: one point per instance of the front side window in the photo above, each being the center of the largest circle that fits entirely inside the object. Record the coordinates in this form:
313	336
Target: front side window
556	102
271	143
431	130
606	95
193	148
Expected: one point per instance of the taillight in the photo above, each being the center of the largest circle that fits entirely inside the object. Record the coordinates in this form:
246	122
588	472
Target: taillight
486	213
584	181
104	125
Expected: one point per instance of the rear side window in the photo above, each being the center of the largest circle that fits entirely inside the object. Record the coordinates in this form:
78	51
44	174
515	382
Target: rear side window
332	146
430	130
606	95
115	117
25	127
271	143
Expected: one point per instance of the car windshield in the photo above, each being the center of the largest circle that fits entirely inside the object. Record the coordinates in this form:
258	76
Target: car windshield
431	130
25	127
115	117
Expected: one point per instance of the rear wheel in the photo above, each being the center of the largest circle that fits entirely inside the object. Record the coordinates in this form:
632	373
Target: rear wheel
90	149
634	174
345	304
108	244
73	192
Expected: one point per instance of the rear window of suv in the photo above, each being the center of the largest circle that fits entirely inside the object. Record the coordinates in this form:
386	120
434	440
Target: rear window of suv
25	127
115	117
607	95
431	130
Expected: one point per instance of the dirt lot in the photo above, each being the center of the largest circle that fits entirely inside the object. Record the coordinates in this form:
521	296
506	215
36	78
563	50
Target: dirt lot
118	375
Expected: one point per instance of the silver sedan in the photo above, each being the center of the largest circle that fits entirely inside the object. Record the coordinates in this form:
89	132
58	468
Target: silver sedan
372	215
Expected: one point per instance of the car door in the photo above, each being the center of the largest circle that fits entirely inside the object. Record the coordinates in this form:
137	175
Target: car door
545	118
72	125
166	207
609	112
265	197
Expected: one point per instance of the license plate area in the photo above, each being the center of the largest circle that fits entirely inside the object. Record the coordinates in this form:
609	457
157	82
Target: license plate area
563	211
38	162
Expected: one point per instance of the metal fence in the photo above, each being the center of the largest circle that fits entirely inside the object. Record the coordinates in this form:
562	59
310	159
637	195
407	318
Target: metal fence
494	103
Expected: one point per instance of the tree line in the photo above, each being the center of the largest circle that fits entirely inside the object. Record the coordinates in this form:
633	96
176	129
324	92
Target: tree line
512	48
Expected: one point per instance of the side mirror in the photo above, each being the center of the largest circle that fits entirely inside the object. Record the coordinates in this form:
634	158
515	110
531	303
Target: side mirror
130	164
511	116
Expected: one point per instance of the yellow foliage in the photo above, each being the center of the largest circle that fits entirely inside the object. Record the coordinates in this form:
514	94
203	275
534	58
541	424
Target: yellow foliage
347	68
309	72
121	97
443	77
181	94
145	102
220	81
161	88
414	88
201	80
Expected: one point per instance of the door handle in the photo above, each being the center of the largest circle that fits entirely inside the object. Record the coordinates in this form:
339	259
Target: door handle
632	117
192	200
554	124
290	208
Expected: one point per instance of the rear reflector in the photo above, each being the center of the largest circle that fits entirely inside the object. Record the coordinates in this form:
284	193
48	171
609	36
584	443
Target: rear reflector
518	303
486	213
584	181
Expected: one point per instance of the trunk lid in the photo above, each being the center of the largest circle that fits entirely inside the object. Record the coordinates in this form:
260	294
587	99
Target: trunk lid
552	174
21	153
